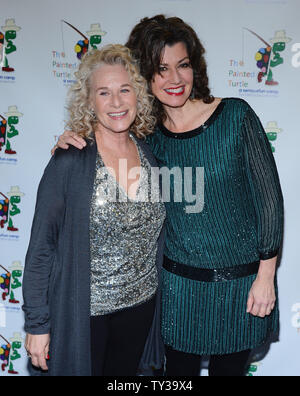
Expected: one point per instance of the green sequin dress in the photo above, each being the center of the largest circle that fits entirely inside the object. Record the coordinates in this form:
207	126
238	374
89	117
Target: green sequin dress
241	222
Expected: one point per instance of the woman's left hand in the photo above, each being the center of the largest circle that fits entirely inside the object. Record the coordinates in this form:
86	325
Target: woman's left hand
262	296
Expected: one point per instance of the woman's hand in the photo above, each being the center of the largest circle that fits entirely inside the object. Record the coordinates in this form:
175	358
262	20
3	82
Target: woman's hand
69	138
37	347
262	296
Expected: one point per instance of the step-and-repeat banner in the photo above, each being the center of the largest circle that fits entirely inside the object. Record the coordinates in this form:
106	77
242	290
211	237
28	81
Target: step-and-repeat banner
253	52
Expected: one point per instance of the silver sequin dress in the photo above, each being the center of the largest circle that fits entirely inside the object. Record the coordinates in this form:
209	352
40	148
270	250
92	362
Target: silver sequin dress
123	240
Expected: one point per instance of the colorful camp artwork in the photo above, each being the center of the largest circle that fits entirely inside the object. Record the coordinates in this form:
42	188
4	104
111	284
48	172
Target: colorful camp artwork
253	368
4	208
2	49
263	57
9	207
4	353
82	46
3	130
5	280
272	131
7	41
10	352
10	281
269	57
8	128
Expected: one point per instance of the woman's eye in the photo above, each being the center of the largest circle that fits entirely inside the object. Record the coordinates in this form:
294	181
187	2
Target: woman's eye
103	93
162	69
185	65
125	90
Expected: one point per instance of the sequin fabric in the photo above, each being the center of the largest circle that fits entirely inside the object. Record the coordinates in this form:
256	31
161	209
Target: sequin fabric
123	240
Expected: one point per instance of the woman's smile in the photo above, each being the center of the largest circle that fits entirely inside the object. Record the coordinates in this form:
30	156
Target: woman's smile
119	115
178	91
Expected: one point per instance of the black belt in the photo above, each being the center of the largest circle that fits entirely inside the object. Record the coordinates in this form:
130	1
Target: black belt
211	275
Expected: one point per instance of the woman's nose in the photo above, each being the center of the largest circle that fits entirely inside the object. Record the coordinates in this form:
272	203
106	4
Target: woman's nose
116	100
174	76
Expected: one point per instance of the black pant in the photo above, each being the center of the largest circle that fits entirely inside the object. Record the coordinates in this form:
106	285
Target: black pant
185	364
118	340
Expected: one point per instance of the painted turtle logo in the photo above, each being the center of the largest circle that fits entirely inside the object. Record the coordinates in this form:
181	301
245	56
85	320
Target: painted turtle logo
8	130
10	281
272	131
9	352
7	45
85	44
269	57
9	208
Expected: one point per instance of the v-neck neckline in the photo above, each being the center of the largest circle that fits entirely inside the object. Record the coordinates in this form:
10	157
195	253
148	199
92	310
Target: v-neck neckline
119	186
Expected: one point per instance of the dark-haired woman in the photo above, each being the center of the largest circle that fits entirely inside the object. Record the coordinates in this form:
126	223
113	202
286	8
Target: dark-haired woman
219	277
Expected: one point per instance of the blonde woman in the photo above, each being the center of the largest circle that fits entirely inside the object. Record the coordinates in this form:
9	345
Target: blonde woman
91	281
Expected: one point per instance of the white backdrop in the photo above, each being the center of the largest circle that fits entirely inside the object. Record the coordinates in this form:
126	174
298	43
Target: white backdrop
32	100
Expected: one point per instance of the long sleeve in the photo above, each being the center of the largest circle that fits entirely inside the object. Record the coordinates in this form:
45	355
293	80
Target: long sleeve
49	213
264	184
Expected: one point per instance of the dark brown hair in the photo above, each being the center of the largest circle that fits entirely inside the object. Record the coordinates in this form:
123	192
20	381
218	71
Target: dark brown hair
147	41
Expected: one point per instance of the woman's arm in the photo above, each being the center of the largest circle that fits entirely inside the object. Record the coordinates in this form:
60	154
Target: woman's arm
268	203
262	297
48	217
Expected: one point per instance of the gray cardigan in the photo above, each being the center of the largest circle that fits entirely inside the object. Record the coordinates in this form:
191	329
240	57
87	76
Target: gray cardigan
56	285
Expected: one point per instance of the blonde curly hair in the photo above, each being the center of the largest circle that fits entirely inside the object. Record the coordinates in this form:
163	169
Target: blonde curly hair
82	119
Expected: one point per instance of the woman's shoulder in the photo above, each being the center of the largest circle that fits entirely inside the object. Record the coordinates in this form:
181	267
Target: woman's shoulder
156	137
72	156
237	108
236	103
146	147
